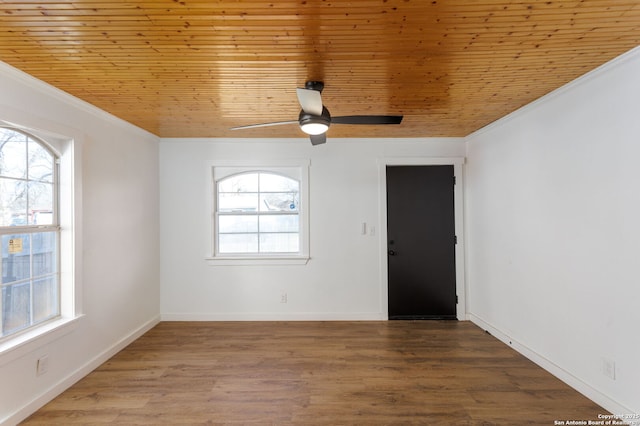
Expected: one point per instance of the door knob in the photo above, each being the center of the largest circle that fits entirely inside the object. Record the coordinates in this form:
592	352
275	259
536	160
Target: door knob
392	253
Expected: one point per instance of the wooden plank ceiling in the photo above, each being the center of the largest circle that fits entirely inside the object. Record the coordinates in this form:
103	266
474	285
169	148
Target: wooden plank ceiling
195	68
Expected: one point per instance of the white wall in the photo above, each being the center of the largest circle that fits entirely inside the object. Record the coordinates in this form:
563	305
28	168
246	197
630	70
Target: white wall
343	278
118	270
553	208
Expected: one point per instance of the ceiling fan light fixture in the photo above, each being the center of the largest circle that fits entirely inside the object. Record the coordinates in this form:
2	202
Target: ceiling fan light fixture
313	128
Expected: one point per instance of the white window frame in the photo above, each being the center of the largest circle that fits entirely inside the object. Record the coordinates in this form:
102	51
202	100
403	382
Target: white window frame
68	152
295	169
32	229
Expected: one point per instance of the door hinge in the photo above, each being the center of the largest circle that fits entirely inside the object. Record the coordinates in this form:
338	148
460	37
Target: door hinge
456	299
455	239
454	180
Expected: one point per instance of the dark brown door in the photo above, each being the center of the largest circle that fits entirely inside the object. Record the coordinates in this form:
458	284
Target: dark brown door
421	242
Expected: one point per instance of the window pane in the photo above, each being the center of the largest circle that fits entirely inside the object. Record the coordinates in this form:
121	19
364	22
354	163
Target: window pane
235	224
279	223
13	202
45	299
238	243
244	182
13	154
40	163
239	202
44	247
279	243
258	212
270	182
15	258
43	218
279	201
15	307
40	199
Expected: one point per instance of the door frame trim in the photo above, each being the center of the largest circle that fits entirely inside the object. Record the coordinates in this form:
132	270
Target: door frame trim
458	195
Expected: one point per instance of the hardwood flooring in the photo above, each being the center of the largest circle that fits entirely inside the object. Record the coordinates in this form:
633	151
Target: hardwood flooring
317	373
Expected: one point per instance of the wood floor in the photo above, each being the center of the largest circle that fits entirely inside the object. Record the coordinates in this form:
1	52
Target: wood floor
317	373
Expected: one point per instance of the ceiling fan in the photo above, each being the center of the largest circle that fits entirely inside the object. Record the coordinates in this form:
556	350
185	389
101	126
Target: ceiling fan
314	118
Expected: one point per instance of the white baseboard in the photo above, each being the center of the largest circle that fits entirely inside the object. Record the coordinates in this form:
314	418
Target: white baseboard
593	394
23	412
270	316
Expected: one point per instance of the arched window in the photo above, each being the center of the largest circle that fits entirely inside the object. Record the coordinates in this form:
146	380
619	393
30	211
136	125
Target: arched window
30	232
257	212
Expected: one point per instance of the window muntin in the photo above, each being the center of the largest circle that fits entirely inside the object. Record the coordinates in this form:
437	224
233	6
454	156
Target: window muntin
257	213
30	281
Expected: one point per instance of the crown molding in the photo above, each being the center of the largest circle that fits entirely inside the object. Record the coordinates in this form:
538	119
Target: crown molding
633	54
62	96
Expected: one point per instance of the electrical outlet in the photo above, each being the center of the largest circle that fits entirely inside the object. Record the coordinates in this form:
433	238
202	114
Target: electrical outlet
283	297
609	368
42	365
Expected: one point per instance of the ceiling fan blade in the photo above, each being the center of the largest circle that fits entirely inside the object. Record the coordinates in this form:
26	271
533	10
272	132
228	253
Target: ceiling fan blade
310	101
275	123
318	139
367	119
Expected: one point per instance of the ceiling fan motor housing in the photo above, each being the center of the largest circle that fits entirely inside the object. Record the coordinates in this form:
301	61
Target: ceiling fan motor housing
308	121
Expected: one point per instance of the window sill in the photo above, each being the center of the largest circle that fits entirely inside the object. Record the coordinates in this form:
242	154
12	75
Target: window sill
31	340
257	260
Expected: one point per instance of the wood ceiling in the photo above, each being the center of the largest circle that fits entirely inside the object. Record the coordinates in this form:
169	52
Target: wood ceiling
195	68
